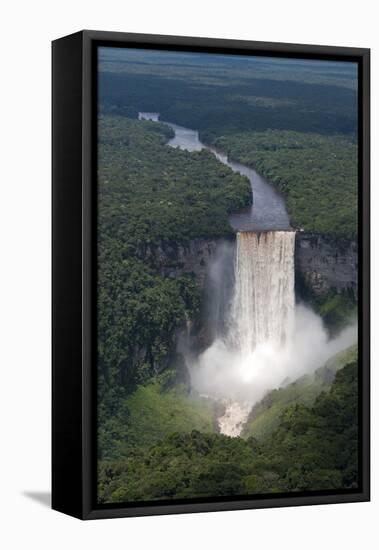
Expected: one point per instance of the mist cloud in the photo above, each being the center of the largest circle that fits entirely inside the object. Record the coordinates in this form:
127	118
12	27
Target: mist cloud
227	374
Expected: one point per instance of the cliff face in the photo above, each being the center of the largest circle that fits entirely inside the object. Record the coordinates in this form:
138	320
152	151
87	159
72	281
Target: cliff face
325	263
322	263
174	259
211	263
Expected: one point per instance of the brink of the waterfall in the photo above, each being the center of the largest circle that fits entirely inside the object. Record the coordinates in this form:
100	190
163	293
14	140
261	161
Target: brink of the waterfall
264	297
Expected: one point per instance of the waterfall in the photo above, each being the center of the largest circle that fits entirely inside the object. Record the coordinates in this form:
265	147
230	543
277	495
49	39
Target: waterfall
255	351
263	305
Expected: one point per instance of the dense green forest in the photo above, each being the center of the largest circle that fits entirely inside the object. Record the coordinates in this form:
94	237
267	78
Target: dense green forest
149	193
195	92
296	123
313	448
317	174
265	416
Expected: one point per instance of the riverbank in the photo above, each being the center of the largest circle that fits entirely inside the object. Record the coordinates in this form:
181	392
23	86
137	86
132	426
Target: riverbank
268	210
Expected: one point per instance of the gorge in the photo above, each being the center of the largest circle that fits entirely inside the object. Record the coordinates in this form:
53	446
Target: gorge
252	348
264	299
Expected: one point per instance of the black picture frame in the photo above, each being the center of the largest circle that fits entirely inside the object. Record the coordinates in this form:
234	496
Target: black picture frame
74	271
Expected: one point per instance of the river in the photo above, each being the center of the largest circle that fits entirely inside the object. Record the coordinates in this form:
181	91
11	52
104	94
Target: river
268	211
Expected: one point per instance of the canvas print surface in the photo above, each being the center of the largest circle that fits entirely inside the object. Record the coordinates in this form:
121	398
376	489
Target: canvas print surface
227	276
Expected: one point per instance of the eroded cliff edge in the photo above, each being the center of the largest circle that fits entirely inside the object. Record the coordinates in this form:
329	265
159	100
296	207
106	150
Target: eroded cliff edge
322	263
325	264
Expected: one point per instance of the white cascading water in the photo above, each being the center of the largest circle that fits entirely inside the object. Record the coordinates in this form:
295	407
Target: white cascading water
267	341
263	307
264	299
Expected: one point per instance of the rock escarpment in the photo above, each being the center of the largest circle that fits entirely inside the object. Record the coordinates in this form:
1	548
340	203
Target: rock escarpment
325	263
174	259
322	262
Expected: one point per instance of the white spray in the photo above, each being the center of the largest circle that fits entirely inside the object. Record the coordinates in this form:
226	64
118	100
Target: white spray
268	341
